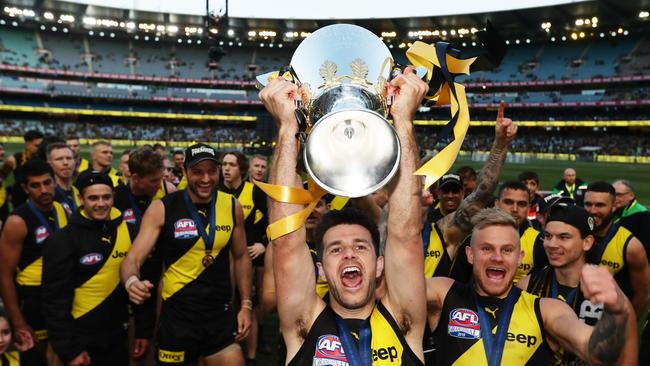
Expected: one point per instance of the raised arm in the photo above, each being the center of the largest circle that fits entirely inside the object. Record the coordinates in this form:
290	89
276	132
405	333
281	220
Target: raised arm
457	226
243	273
404	261
152	222
297	302
616	330
637	262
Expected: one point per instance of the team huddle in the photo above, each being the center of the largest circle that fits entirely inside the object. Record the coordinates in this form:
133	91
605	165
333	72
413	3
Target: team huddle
170	262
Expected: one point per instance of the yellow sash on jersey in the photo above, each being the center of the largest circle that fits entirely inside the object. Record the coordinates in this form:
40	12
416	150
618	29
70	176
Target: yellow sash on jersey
246	199
189	266
528	239
94	291
3	194
13	357
31	275
83	165
161	192
614	255
182	184
387	349
435	251
524	337
338	203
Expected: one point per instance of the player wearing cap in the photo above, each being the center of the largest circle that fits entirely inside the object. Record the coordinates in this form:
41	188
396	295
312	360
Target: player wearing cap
61	159
568	237
86	308
616	248
196	230
450	193
513	199
145	184
21	251
490	322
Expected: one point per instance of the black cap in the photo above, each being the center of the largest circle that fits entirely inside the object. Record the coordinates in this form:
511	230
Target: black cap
553	200
196	153
89	178
450	179
573	215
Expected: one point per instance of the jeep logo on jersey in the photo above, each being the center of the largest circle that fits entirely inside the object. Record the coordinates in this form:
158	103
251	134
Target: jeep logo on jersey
41	234
329	347
90	259
128	216
185	229
464	324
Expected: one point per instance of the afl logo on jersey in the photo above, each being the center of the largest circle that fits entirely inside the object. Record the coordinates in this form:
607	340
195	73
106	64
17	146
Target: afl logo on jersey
329	351
90	259
41	234
128	216
185	229
67	208
464	323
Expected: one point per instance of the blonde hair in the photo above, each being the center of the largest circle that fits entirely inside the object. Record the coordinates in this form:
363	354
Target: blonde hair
491	217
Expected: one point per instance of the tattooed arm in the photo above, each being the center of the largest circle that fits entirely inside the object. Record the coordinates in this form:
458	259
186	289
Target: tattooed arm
612	339
457	226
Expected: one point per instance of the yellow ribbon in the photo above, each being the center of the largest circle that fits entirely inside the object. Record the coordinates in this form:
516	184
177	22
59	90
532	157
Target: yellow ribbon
422	54
293	195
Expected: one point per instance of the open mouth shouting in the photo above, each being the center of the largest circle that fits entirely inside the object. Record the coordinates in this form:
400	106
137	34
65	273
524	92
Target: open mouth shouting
495	273
351	276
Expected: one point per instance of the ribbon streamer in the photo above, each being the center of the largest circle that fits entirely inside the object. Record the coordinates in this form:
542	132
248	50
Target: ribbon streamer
291	223
434	57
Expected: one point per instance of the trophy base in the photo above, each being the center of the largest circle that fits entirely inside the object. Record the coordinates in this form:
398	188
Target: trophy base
352	153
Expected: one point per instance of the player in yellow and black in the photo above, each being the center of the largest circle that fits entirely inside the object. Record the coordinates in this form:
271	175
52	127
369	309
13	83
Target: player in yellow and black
513	198
196	230
4	197
568	237
101	153
61	159
490	322
81	164
23	353
616	248
317	333
450	193
21	252
145	184
15	162
86	308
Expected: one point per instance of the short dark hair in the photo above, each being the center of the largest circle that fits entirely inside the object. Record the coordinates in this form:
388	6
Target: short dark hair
528	175
145	161
158	145
56	146
71	137
178	152
33	168
467	172
601	187
126	152
515	185
32	135
242	160
347	216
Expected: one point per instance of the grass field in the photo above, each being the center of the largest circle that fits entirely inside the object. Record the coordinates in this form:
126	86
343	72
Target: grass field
550	171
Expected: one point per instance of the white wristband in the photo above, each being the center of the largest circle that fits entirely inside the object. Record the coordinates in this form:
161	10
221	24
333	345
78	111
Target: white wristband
130	281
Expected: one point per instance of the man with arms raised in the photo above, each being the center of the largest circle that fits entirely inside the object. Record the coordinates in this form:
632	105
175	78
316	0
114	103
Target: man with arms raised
528	329
196	230
390	328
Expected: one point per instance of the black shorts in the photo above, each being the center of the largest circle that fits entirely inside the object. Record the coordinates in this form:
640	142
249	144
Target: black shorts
31	308
181	343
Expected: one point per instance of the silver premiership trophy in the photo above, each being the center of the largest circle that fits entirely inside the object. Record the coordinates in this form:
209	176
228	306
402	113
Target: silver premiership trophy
350	148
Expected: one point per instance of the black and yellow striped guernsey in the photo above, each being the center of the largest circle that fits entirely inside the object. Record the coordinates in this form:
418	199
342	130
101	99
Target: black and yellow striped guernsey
86	304
436	259
190	288
32	357
532	243
458	338
610	251
322	345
